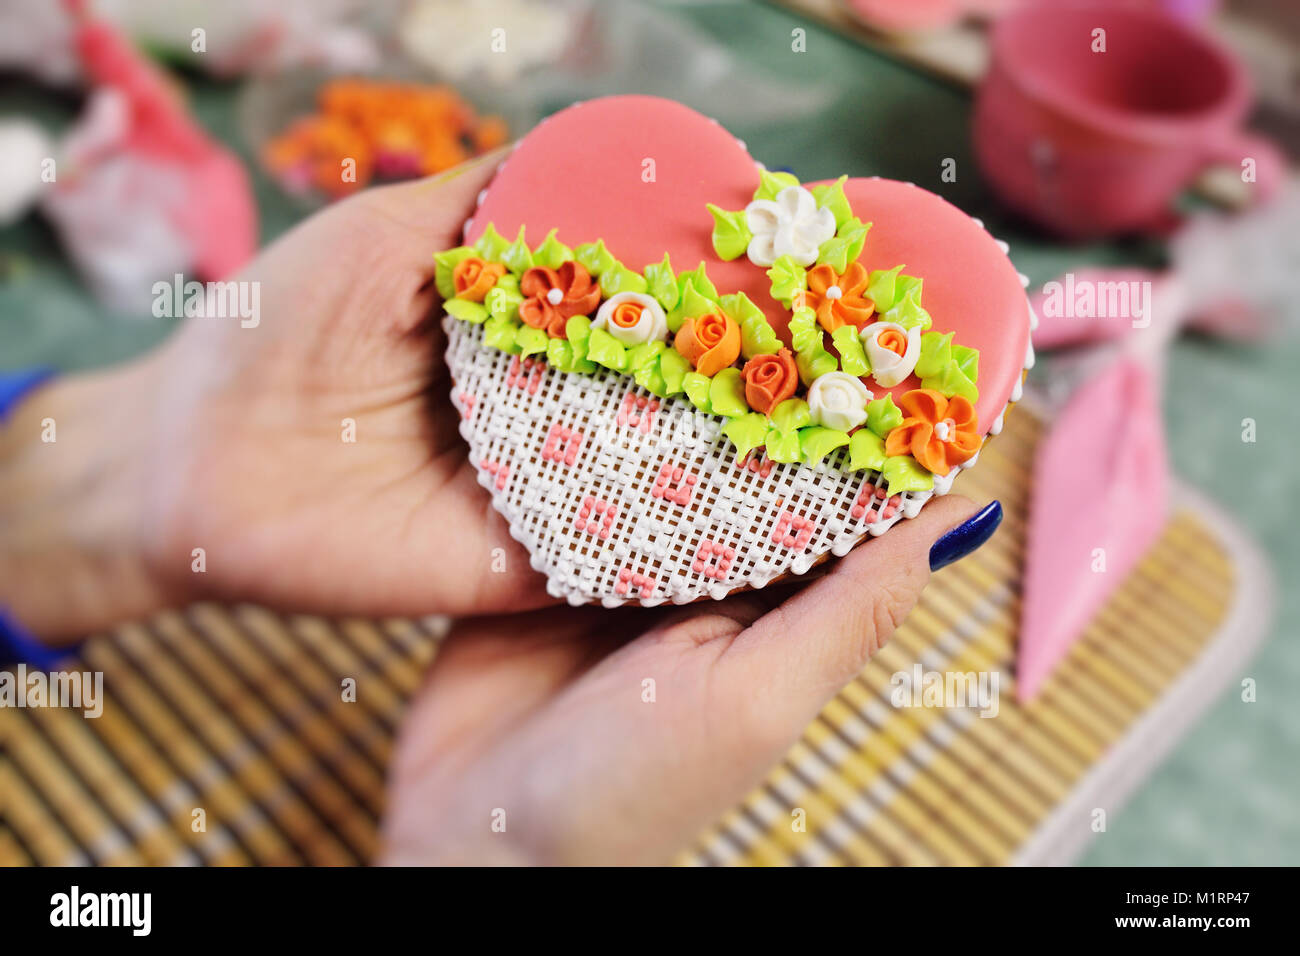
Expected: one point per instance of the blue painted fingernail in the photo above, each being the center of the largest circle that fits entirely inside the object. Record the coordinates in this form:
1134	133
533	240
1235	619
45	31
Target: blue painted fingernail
966	537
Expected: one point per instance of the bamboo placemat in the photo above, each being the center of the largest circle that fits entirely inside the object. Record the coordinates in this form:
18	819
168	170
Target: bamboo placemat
238	711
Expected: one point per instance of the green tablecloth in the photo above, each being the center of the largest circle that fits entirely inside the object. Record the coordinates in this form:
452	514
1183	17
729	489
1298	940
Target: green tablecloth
1228	794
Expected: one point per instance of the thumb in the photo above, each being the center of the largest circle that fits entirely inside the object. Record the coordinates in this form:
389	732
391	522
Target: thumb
435	209
804	651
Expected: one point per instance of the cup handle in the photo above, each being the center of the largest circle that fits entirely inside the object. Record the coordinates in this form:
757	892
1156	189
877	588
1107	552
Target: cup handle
1270	163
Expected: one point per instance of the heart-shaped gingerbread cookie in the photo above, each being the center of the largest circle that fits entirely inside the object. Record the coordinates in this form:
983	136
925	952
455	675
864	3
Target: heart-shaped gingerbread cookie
680	375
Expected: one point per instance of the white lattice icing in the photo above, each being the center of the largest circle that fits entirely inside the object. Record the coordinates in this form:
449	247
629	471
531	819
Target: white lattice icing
558	451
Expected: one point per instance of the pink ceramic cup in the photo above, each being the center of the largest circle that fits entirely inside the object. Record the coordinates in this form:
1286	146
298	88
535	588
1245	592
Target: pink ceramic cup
1098	143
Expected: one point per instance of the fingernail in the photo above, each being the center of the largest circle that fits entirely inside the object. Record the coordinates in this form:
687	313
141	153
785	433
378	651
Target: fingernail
966	537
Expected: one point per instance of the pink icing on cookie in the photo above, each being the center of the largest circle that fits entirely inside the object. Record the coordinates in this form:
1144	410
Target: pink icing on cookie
637	172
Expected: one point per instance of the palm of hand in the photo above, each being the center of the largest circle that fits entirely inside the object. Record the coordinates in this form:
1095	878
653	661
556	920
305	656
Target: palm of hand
324	448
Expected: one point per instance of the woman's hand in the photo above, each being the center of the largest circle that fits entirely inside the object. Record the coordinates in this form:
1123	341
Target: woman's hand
589	736
232	440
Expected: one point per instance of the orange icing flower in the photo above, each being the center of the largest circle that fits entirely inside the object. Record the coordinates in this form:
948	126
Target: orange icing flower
711	342
938	432
474	278
769	380
553	296
893	339
839	299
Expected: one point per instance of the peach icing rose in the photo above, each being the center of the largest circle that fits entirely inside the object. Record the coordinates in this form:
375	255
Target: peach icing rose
632	318
938	432
473	278
892	351
769	380
711	342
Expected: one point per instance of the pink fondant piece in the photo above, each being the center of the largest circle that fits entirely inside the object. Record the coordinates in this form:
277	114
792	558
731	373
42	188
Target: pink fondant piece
638	171
1099	494
216	213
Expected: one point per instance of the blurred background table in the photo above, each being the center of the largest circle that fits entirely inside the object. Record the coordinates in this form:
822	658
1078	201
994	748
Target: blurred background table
1227	794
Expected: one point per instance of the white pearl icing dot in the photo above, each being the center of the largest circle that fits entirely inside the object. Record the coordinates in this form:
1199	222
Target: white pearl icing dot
834	292
555	296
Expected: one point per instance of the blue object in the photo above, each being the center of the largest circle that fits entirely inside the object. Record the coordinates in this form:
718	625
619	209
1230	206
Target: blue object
15	643
15	385
966	537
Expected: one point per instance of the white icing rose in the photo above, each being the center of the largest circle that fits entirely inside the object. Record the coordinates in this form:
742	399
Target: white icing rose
889	368
649	325
838	400
790	225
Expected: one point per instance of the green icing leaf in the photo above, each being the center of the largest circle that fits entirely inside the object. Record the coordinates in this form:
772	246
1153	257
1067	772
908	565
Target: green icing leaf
968	360
936	354
531	341
727	394
866	450
783	446
619	278
644	363
805	333
517	257
674	366
730	234
813	366
650	378
883	416
853	357
464	309
500	334
746	432
644	356
604	349
695	304
696	281
552	253
503	299
788	279
560	354
907	311
757	337
491	244
831	196
845	246
594	257
661	282
951	380
811	357
882	287
443	265
818	441
699	278
905	285
697	390
577	330
902	473
791	414
772	183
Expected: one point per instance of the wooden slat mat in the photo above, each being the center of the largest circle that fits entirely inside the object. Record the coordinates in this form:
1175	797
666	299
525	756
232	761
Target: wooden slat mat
239	711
